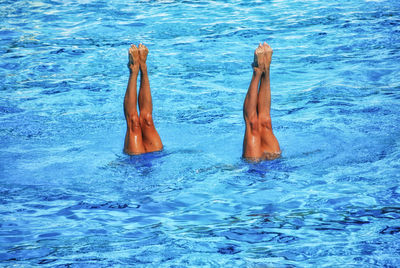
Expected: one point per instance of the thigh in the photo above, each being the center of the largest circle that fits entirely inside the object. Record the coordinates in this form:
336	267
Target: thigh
151	139
133	142
269	143
251	145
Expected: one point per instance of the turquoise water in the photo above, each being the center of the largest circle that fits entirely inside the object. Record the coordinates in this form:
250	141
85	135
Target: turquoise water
70	197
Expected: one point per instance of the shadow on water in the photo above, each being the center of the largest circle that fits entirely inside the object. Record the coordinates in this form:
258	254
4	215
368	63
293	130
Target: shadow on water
143	163
264	167
128	172
143	159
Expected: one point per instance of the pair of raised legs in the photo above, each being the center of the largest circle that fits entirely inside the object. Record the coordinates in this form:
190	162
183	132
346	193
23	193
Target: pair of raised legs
259	141
141	134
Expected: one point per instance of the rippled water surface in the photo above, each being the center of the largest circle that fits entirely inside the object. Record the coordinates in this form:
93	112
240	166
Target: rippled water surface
69	196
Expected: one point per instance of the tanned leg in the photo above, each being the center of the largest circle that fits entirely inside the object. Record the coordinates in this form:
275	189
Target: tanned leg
151	139
133	137
252	141
269	144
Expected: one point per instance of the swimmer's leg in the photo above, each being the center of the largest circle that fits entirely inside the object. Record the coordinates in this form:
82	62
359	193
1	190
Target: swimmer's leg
252	141
133	137
269	144
151	139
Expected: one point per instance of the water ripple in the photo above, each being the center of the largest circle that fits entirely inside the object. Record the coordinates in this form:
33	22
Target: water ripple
70	197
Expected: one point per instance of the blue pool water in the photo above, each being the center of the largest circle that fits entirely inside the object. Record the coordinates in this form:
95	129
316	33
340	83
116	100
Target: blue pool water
70	197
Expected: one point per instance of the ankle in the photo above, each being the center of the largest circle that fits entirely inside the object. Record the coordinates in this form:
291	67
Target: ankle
257	71
143	67
133	70
266	72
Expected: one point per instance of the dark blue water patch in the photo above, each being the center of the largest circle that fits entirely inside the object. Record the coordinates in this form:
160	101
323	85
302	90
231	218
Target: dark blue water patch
229	249
10	66
50	17
351	220
252	236
338	201
96	231
11	239
367	248
47	235
375	260
72	52
242	33
390	230
371	214
377	74
25	253
285	239
95	87
142	161
46	261
10	109
39	206
26	211
295	223
24	129
93	6
257	171
90	262
200	118
392	194
290	255
58	195
11	231
136	24
137	234
47	68
6	257
57	90
265	167
8	35
15	56
107	206
45	84
147	157
59	51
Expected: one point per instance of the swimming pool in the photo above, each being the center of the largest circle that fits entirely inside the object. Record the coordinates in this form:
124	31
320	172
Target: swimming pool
70	197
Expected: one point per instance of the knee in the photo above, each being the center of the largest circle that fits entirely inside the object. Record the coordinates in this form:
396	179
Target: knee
266	122
133	121
146	119
252	121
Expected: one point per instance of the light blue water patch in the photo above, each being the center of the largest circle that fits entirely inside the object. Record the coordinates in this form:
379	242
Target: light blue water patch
70	197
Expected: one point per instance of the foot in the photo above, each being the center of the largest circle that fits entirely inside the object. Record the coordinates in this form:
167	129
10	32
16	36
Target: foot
133	64
259	59
143	51
268	55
